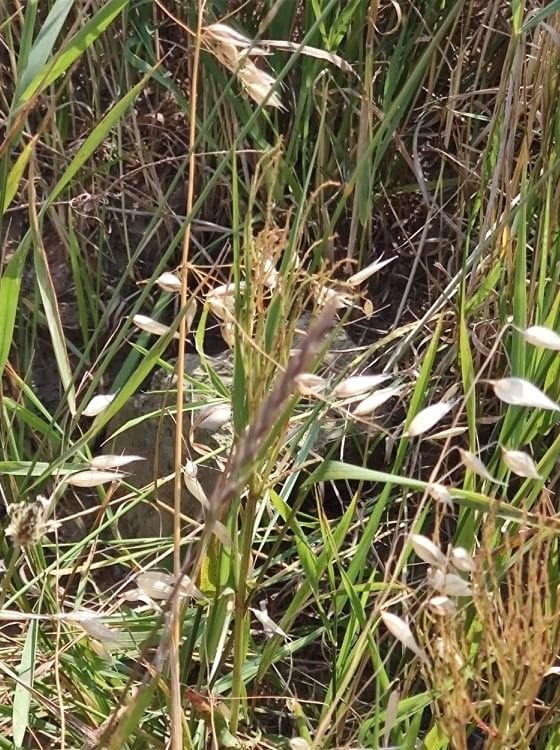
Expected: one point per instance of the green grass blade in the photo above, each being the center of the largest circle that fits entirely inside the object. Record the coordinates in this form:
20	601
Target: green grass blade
16	173
85	37
95	139
542	14
50	305
10	284
44	43
22	694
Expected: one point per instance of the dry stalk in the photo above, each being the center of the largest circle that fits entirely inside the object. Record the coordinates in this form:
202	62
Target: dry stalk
177	606
487	670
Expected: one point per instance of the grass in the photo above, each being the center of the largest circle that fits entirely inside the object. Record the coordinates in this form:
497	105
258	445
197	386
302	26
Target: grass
136	144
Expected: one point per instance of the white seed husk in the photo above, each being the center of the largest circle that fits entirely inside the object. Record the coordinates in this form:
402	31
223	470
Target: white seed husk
442	605
401	631
428	417
520	463
310	385
269	626
98	404
373	402
156	585
150	325
358	278
391	714
169	282
427	551
462	560
441	494
91	623
358	385
213	417
196	489
449	584
472	462
519	392
93	478
542	336
298	743
108	461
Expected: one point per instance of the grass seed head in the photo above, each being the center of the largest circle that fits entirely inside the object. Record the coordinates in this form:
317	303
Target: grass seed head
29	522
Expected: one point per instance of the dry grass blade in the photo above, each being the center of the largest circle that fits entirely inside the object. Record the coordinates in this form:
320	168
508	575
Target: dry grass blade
319	54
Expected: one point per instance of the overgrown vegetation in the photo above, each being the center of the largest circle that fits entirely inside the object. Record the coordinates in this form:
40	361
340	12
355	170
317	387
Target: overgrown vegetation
347	533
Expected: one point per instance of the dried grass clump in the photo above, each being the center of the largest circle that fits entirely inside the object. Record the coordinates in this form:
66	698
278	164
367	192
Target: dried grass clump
487	662
232	50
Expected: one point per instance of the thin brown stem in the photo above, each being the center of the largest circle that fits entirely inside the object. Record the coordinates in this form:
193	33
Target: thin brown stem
176	703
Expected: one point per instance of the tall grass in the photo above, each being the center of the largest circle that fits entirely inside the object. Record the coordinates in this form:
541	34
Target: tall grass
136	142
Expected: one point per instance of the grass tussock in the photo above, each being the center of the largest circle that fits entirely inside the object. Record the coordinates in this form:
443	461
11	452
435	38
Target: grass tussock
279	334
